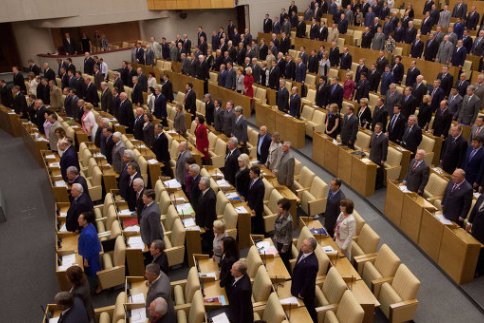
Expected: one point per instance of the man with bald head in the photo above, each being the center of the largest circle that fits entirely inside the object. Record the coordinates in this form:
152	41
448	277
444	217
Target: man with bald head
457	197
418	173
263	142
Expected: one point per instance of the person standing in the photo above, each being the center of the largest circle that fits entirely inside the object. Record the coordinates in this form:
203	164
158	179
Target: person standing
80	289
283	231
418	174
231	165
201	135
150	225
349	128
89	247
285	165
255	200
475	225
335	195
206	213
158	286
239	293
378	153
457	199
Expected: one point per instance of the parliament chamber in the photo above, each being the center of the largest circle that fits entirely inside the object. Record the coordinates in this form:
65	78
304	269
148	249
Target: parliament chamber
283	167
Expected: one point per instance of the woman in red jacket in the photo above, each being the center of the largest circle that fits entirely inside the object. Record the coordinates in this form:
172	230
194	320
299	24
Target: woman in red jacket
201	135
248	81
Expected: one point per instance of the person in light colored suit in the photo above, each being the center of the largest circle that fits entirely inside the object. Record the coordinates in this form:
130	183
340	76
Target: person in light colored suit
55	96
446	49
183	156
333	34
150	225
470	107
179	123
118	152
52	117
345	227
285	165
444	19
158	286
378	41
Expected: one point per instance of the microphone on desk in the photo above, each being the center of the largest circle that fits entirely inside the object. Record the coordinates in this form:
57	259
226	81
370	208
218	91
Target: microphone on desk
202	287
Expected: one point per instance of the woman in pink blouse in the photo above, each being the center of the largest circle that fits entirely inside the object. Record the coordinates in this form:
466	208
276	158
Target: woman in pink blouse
349	86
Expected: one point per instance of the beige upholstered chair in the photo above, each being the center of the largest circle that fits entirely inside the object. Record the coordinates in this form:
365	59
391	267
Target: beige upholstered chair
271	210
348	311
101	211
310	80
360	222
118	312
316	123
261	288
332	289
427	144
230	218
365	243
183	290
393	164
435	188
307	113
194	312
296	246
254	261
175	244
304	181
113	233
310	98
398	297
218	153
362	140
313	201
107	219
113	265
272	312
94	184
268	188
376	269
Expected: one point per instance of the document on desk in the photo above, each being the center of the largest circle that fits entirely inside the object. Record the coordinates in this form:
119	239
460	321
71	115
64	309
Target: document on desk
289	301
220	318
55	164
60	183
233	196
63	214
63	228
172	183
99	155
137	298
56	319
67	261
223	183
138	316
438	170
136	242
125	212
404	189
208	275
179	200
443	219
133	228
50	156
240	210
328	249
263	245
189	222
152	161
184	209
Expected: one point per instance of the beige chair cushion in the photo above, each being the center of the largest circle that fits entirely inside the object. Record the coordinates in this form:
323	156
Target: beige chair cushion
107	261
387	297
273	313
405	283
366	242
349	311
334	286
261	289
254	261
386	261
197	310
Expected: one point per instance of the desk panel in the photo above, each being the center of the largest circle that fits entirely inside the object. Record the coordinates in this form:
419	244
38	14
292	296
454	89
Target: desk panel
430	237
394	203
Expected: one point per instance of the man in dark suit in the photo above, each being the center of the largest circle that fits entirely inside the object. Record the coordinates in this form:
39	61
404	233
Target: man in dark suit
267	24
18	79
91	95
346	60
139	54
126	184
459	55
161	150
314	31
89	63
137	93
362	88
437	94
454	150
474	162
418	173
427	24
475	225
374	78
304	276
231	165
295	103
380	115
263	142
442	120
462	84
378	153
72	307
158	286
107	100
334	56
138	124
206	213
74	177
19	101
322	93
446	80
274	75
81	202
190	100
360	69
419	89
68	158
396	126
349	128
150	225
332	212
255	200
412	74
239	293
336	93
409	103
457	199
282	97
431	48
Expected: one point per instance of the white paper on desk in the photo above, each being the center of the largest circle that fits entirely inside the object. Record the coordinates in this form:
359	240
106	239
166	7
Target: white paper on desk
63	228
152	161
133	228
11	112
179	199
404	189
63	214
136	242
240	210
137	298
60	183
185	208
208	275
232	195
99	155
366	160
189	222
328	249
54	164
263	245
335	142
193	228
125	212
289	301
41	139
67	261
437	170
220	318
443	219
172	183
223	183
51	156
56	319
287	115
138	315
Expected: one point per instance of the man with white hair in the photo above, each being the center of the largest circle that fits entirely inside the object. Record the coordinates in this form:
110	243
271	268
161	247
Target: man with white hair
205	213
231	165
457	198
68	157
138	188
183	154
418	173
118	152
81	202
285	165
73	177
159	312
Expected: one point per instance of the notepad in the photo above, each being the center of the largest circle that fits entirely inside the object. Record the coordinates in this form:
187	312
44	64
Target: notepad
240	210
443	219
138	315
185	208
152	161
328	249
136	242
62	214
188	222
404	189
208	275
125	212
437	170
223	183
67	261
50	156
60	183
172	183
137	298
133	228
63	228
220	318
289	301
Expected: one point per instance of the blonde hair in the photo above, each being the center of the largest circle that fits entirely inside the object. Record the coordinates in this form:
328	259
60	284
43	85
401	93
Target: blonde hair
219	225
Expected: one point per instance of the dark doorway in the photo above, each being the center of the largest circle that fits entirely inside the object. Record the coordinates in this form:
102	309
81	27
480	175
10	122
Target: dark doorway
241	23
8	51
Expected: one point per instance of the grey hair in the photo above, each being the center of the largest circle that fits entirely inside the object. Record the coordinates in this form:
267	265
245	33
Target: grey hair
234	140
238	109
117	134
161	307
139	181
313	243
78	187
205	180
194	168
129	153
73	170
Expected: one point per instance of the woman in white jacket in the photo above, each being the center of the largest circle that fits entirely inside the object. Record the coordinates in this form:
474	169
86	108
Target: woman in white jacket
89	124
345	227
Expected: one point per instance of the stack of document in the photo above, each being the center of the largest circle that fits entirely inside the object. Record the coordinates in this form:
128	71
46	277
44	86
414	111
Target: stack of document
152	161
67	261
220	318
184	209
60	183
289	301
137	298
172	183
133	228
240	210
136	242
138	316
125	212
188	222
55	164
50	156
263	245
223	183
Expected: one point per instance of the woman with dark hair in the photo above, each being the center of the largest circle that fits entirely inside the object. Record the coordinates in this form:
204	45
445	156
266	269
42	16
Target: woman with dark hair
345	227
148	130
229	256
201	135
187	187
80	288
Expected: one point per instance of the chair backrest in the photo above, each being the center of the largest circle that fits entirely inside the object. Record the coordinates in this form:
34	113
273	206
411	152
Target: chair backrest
143	168
96	176
334	286
253	261
267	189
164	202
193	126
427	144
180	97
212	140
192	285
297	167
174	149
111	216
436	186
273	199
115	229
394	157
222	201
311	95
261	289
197	309
323	262
119	312
368	239
310	79
360	222
220	147
273	313
177	234
362	140
253	136
386	261
230	216
304	234
318	189
319	117
405	284
171	216
119	254
307	112
306	177
349	310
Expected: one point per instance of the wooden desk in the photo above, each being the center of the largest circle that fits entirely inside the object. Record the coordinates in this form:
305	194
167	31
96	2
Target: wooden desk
195	152
193	242
325	152
430	237
437	147
413	207
345	162
60	273
213	289
225	95
67	242
135	259
458	255
295	313
363	175
135	285
180	80
52	311
265	115
365	298
10	121
291	129
406	156
206	264
275	266
394	203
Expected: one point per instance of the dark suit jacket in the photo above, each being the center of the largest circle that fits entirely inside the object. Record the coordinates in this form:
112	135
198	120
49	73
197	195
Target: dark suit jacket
206	213
160	107
191	102
474	167
332	210
397	71
69	158
82	204
477	219
295	105
446	82
395	131
162	261
420	91
322	95
138	128
107	101
336	96
411	139
349	130
408	106
231	166
274	77
431	49
374	79
77	313
457	203
334	56
137	94
118	84
442	122
20	104
255	197
282	99
81	180
167	90
453	153
417	178
345	61
161	149
412	76
437	98
378	148
380	114
240	302
126	115
304	277
264	148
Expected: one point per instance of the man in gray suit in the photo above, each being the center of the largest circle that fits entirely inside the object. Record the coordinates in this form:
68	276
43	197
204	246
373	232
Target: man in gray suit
444	19
470	107
240	126
477	129
285	165
150	225
418	173
479	89
378	42
158	286
393	97
454	102
184	154
229	119
349	128
218	116
478	46
379	152
118	152
446	49
230	77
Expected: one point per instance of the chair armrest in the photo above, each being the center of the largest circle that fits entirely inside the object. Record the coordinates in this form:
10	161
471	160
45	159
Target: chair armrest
317	206
259	304
437	197
100	310
104	234
376	284
302	189
183	307
292	262
403	311
321	311
361	260
178	282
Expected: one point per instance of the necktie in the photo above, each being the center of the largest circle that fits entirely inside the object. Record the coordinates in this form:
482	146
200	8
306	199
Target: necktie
394	119
454	187
473	153
415	165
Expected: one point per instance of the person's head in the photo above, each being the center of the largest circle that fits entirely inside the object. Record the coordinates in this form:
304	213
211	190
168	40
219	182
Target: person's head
396	109
158	128
243	161
64	300
204	183
85	218
285	146
76	190
420	154
458	175
138	184
75	276
157	247
309	245
470	90
152	271
232	143
335	184
128	156
230	248
480	121
148	196
254	172
218	226
239	268
346	206
276	137
412	120
455	130
476	142
364	102
284	205
72	172
157	309
263	130
194	170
